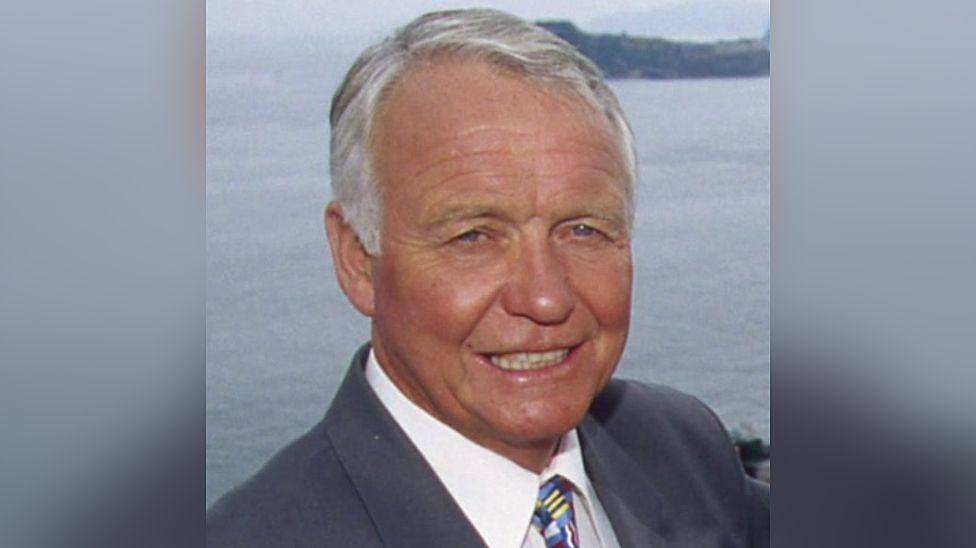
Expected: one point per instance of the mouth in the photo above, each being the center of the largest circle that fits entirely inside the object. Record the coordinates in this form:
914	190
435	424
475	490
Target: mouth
527	361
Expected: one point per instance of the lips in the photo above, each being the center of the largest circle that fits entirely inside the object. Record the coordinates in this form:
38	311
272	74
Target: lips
522	361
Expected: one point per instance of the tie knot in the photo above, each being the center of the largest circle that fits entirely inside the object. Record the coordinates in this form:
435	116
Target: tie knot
554	516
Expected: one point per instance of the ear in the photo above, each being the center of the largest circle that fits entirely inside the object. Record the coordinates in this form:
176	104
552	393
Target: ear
353	266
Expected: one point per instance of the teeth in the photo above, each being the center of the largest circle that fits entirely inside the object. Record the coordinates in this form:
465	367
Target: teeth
529	360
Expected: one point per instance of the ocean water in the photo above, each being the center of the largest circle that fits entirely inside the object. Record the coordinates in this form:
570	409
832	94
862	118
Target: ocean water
280	332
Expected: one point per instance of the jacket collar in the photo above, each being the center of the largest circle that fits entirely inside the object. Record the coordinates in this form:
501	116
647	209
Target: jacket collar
407	503
635	507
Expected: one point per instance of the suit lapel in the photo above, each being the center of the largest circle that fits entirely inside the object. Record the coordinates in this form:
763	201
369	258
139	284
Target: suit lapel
635	508
409	506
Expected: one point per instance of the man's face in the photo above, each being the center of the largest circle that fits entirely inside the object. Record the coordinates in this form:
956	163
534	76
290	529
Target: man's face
502	290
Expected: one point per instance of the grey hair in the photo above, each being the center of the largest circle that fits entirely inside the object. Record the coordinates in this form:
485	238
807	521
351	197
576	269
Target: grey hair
488	35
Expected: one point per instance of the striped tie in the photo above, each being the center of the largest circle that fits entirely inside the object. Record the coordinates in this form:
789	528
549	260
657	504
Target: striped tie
554	517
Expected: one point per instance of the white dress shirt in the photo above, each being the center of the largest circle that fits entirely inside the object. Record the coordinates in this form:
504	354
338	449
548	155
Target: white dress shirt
496	495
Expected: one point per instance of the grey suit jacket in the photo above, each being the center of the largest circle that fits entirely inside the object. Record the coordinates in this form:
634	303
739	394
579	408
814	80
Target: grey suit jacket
660	461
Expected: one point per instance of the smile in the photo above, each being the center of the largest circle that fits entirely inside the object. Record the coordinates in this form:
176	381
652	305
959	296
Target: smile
522	361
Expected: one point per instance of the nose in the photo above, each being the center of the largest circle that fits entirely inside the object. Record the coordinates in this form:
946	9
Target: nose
538	287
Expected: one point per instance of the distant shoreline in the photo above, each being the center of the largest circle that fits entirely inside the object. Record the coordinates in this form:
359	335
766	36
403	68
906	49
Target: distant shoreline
620	56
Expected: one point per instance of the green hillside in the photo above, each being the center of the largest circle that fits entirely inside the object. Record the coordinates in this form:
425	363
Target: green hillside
622	56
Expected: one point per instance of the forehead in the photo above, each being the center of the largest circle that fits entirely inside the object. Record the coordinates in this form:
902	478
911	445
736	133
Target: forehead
451	113
449	98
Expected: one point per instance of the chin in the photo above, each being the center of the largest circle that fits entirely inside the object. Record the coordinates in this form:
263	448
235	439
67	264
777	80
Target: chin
537	426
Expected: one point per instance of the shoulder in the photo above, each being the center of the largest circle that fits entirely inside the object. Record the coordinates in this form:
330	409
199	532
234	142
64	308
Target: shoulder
662	426
680	446
665	423
300	497
634	407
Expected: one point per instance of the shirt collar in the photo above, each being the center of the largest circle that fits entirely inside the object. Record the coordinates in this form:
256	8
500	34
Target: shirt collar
568	463
495	494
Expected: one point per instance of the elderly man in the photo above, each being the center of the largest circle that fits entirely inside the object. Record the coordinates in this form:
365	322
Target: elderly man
484	176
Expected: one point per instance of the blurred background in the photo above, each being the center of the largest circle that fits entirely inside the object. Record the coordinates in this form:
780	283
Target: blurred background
103	335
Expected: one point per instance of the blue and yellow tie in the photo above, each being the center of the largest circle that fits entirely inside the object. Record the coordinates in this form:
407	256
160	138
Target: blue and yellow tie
554	516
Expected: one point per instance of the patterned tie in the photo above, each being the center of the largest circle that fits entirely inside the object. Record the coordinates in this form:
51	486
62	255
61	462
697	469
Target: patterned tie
554	516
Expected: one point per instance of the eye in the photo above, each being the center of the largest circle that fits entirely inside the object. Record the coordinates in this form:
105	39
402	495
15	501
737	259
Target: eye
470	236
586	233
583	230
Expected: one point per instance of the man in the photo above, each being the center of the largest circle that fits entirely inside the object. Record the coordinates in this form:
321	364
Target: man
484	178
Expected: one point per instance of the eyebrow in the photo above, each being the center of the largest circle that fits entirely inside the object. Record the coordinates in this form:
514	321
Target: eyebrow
597	211
458	212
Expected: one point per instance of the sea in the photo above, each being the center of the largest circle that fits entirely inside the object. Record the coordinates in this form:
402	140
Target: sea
280	332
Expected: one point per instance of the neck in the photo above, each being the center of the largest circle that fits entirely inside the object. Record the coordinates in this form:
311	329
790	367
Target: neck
534	457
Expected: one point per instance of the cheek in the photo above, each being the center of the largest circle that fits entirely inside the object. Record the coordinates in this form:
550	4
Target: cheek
453	311
605	287
446	302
